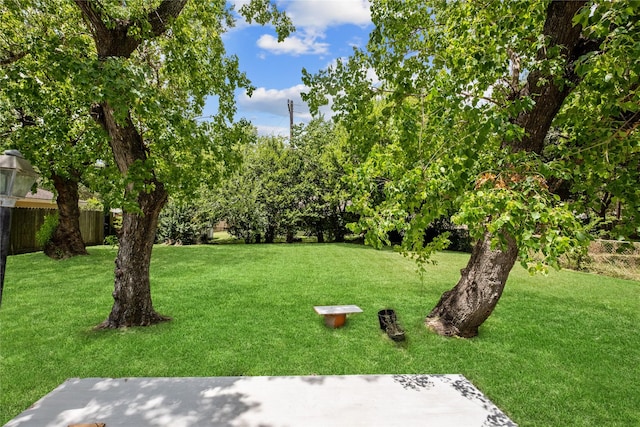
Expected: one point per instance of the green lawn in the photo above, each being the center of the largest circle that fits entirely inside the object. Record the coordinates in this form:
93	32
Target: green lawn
561	350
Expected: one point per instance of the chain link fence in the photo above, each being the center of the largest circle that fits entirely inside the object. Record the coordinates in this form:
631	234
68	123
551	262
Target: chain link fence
610	258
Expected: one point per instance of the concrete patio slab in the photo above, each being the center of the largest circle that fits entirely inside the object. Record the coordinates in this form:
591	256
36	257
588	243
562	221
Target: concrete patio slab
352	400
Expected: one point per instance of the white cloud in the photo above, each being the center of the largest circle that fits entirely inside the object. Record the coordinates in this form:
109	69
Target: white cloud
274	101
267	130
293	45
320	14
312	18
269	103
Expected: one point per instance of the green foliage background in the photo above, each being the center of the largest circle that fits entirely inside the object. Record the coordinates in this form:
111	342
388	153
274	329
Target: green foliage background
432	101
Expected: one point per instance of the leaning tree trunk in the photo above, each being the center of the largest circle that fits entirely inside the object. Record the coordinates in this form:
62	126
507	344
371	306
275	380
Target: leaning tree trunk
66	241
464	308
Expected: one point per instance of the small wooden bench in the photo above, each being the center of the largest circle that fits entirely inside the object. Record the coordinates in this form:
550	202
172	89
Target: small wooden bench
336	315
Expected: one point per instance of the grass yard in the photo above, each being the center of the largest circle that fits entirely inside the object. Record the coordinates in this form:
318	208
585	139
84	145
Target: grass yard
561	350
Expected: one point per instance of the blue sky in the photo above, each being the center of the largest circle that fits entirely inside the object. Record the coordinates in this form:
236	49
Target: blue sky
325	30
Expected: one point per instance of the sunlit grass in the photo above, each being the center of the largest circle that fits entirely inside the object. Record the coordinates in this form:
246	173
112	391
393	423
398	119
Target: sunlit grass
559	350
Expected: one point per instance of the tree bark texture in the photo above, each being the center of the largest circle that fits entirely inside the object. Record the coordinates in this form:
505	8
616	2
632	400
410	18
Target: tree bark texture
548	93
464	308
132	289
66	241
113	37
132	304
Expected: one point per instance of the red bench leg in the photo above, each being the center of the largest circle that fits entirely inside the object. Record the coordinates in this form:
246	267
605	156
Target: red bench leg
334	320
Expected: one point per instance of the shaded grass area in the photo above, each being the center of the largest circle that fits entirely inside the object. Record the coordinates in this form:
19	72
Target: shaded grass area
558	350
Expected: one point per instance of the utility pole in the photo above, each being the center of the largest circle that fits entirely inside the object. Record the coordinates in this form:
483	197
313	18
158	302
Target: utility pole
290	106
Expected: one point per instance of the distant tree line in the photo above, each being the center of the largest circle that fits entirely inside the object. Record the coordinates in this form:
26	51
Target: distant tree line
281	189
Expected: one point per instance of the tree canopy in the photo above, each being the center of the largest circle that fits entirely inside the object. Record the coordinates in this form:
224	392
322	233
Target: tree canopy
515	117
436	100
141	72
284	188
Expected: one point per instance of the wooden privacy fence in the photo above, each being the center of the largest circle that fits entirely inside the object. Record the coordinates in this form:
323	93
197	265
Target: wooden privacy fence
25	223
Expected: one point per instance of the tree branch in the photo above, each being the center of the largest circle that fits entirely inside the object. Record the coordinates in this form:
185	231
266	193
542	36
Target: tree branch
159	18
93	17
545	90
114	40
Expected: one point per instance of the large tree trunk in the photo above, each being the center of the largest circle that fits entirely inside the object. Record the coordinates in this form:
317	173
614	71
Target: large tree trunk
132	289
464	308
132	304
66	241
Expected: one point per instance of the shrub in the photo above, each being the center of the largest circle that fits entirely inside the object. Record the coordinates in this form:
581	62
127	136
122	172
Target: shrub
111	240
46	230
180	223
